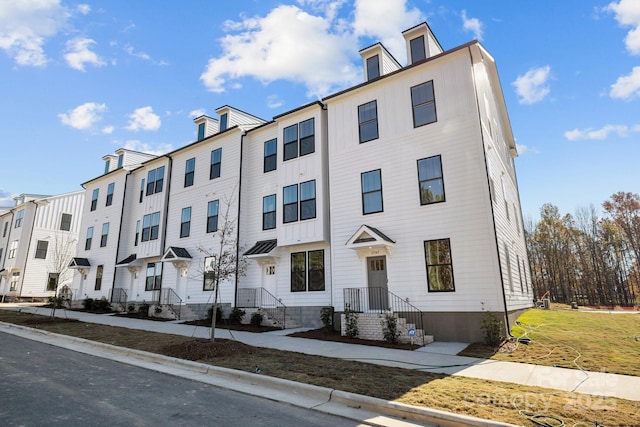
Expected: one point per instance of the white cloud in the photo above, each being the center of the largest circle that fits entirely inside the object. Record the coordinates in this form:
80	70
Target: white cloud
385	21
472	24
627	87
107	130
144	119
628	15
274	101
83	116
600	134
25	27
78	53
197	113
288	43
532	87
129	49
142	147
83	9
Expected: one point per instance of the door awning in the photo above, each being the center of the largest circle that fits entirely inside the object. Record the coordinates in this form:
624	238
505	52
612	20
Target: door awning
79	263
367	237
262	249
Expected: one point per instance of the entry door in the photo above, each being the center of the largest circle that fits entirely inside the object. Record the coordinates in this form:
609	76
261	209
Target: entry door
377	282
269	278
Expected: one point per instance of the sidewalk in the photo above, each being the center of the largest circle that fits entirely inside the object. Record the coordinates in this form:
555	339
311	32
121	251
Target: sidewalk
438	357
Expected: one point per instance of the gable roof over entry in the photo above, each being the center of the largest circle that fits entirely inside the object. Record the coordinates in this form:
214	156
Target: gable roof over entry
369	237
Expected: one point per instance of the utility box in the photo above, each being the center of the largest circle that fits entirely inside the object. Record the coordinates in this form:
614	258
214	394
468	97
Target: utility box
546	304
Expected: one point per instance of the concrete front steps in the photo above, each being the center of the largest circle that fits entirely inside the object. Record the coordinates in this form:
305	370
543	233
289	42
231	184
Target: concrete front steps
289	322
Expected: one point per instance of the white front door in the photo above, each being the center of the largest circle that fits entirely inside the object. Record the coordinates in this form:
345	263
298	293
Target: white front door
269	278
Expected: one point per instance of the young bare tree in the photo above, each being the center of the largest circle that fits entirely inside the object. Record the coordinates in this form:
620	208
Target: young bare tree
63	247
222	260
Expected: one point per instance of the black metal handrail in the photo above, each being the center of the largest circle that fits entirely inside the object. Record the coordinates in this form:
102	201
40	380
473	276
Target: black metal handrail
380	300
264	300
119	296
168	297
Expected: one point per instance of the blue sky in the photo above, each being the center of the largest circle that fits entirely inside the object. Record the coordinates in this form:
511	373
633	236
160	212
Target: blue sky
79	80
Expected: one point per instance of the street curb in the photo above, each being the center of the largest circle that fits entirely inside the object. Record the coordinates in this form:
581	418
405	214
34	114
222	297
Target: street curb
349	405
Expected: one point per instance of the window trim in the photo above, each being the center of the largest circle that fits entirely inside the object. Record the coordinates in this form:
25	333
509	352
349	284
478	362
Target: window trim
88	239
303	202
369	66
189	172
185	224
42	246
449	264
270	162
105	235
19	218
269	214
371	192
290	146
50	276
99	273
66	225
215	168
110	189
290	203
156	282
364	123
210	216
431	179
416	106
414	48
94	199
303	278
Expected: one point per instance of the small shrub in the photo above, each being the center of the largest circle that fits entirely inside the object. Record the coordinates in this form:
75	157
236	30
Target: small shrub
256	319
390	331
102	305
88	304
492	328
326	314
218	314
351	320
131	308
56	302
236	315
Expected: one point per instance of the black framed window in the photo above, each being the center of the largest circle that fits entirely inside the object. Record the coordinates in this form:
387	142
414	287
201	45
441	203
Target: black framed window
307	271
373	67
142	186
439	265
270	155
431	183
185	222
368	121
159	179
212	216
94	201
12	250
41	249
189	172
52	281
155	180
216	161
201	128
224	121
308	200
88	239
307	137
65	222
269	212
290	203
120	160
98	284
150	226
105	234
418	52
20	215
154	276
424	104
290	142
135	242
110	189
371	192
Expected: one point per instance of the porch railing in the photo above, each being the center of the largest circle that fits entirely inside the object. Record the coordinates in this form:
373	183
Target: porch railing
264	300
169	297
380	300
119	296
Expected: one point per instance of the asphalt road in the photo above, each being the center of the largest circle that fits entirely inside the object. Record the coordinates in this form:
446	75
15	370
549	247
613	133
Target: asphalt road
43	385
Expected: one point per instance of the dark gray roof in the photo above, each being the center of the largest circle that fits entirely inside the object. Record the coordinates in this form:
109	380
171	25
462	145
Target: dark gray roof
177	252
380	234
262	247
128	260
79	262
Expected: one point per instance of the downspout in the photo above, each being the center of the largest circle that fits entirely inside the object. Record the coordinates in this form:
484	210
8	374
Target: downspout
235	286
166	208
124	196
493	214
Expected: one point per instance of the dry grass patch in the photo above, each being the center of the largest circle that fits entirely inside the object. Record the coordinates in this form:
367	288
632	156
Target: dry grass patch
486	399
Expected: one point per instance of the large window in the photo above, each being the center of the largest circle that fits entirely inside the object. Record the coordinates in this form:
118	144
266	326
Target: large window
110	189
98	284
41	249
431	184
209	276
307	271
52	281
308	200
270	155
105	234
423	103
189	172
88	239
154	276
269	212
12	249
368	121
212	216
185	222
150	226
439	265
373	67
371	192
290	200
216	161
65	222
155	180
94	199
19	218
418	52
299	139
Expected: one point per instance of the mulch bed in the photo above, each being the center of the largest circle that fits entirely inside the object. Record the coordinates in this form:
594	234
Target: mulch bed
327	335
233	326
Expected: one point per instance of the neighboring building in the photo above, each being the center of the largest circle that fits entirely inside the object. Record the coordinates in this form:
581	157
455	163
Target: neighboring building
397	194
38	238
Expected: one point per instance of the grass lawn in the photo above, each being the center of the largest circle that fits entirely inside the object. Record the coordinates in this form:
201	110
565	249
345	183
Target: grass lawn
486	399
593	341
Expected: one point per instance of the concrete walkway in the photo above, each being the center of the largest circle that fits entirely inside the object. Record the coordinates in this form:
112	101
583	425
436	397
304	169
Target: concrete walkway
437	357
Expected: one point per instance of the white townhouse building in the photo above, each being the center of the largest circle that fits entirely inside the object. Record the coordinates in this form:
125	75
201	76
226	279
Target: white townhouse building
398	195
38	238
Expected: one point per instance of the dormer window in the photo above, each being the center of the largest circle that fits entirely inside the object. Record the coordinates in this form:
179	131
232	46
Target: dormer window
223	122
107	164
418	52
120	160
201	127
373	67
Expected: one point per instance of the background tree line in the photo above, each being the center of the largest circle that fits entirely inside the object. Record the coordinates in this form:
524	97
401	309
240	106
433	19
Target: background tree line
592	257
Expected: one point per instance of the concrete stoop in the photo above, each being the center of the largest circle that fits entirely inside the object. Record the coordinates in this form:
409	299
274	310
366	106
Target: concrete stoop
289	322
